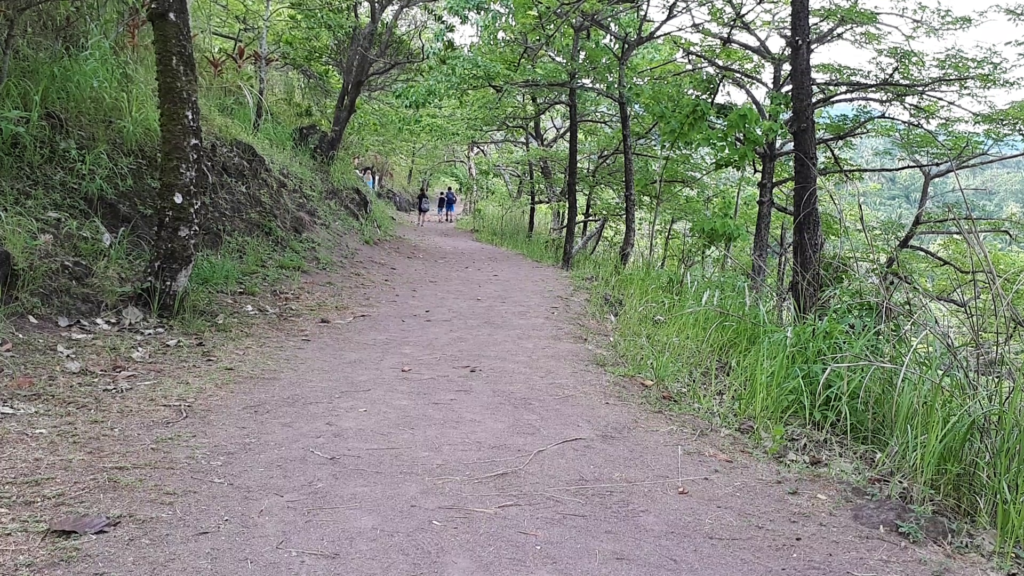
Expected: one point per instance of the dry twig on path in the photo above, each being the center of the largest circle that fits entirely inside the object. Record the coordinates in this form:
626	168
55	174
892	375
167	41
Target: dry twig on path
310	552
626	484
528	460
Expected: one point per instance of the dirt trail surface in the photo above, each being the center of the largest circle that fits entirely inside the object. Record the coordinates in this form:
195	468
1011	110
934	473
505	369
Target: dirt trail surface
461	428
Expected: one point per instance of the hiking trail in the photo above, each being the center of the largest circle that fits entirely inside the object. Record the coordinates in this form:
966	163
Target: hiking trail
461	427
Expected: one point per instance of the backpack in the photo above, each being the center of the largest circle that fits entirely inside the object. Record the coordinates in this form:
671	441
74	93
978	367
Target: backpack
451	198
425	204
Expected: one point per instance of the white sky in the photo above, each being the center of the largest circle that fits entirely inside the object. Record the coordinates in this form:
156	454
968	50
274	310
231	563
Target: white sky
995	31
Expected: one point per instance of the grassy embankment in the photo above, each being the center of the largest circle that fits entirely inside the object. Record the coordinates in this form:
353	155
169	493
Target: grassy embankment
887	398
78	142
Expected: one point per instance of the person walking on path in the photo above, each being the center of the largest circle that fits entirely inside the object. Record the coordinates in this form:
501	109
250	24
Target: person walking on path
441	202
423	204
449	205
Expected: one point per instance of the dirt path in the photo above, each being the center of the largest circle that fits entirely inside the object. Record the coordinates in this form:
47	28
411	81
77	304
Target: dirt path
343	463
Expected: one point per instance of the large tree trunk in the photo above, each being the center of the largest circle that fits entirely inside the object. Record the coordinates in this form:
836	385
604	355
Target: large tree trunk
763	226
261	92
807	240
572	170
183	175
628	177
344	109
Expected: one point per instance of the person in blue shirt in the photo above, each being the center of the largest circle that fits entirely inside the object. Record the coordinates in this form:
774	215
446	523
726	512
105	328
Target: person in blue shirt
449	205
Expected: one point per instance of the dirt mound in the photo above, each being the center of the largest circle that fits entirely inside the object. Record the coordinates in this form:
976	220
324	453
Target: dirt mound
69	263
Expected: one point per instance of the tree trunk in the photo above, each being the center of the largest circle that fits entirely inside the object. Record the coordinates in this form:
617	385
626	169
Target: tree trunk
763	226
657	211
668	238
183	175
572	170
588	238
9	40
532	223
780	299
261	92
735	216
588	209
471	167
344	109
628	177
908	236
807	240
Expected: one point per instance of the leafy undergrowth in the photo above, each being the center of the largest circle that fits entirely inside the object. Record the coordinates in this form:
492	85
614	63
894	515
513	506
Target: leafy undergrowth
882	404
78	158
88	408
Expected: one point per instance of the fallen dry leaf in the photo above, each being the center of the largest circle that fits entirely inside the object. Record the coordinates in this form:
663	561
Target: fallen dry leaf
718	456
23	383
63	322
406	369
73	367
32	319
82	524
7	347
132	315
666	395
683	490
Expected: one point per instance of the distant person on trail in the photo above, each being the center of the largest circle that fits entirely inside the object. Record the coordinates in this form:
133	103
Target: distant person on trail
423	204
449	205
441	202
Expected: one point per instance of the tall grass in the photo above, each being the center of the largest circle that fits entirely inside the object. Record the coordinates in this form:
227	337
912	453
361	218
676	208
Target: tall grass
939	433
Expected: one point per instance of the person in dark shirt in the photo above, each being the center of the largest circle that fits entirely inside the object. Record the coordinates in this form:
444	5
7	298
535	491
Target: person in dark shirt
441	202
423	207
449	205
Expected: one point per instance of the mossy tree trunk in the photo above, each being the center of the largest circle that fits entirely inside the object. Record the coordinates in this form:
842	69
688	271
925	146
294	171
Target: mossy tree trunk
183	175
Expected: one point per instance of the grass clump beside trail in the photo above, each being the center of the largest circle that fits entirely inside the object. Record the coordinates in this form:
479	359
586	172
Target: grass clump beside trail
914	418
79	139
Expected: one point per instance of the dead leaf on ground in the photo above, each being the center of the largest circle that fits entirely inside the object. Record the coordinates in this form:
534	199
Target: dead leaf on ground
23	383
82	524
32	319
7	346
73	367
65	352
747	427
683	490
63	322
645	382
132	315
406	369
718	456
666	395
123	375
172	343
